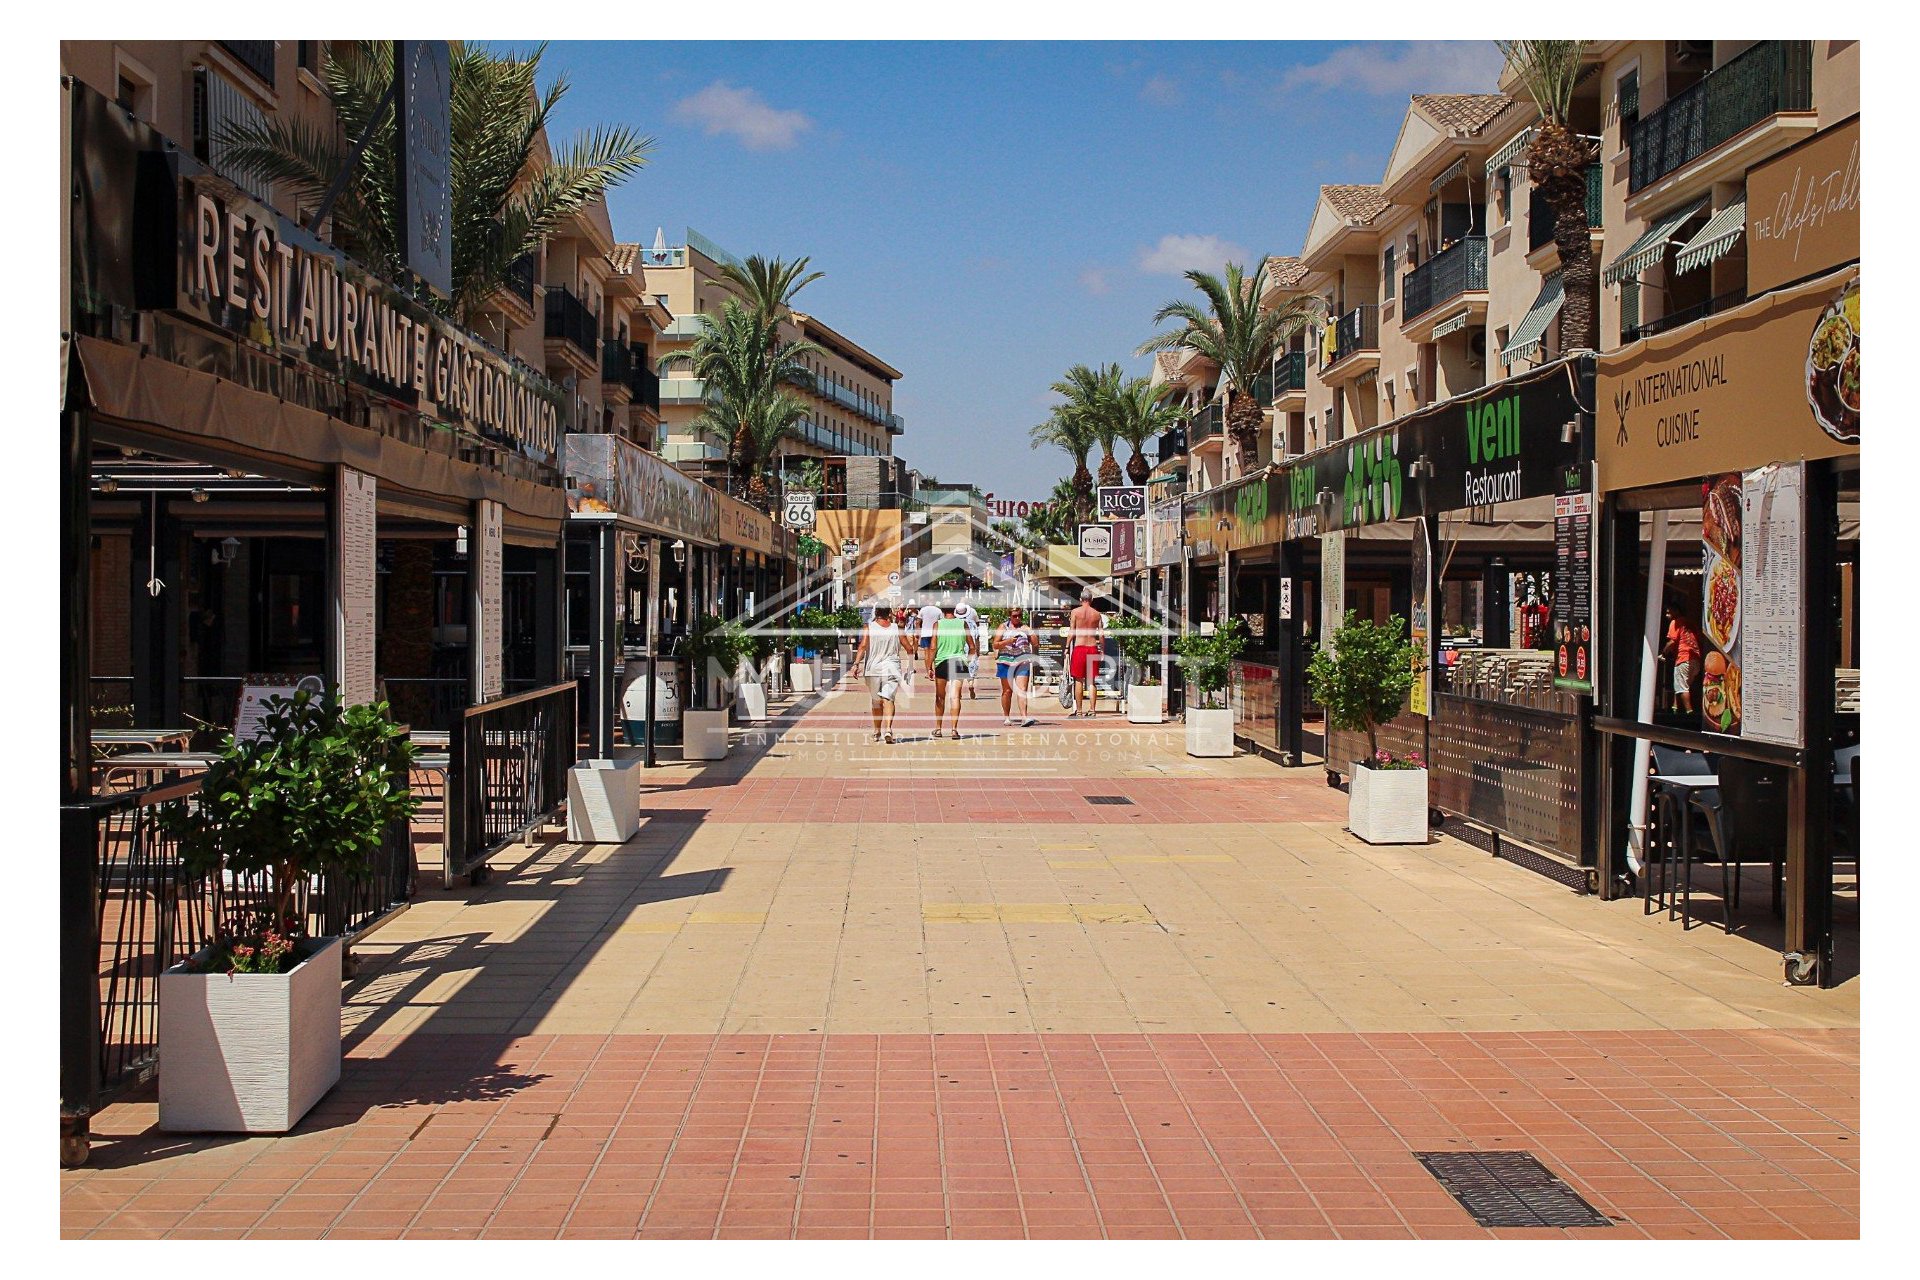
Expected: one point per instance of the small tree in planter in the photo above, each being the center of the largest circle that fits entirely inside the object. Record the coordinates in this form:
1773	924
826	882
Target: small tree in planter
250	1027
711	642
1146	700
1207	662
1362	682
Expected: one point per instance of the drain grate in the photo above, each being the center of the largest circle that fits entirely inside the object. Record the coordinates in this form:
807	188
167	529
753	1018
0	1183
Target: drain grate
1108	800
1509	1189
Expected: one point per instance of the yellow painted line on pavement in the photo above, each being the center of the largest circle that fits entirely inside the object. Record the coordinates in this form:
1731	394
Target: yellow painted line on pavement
1063	848
1035	913
727	917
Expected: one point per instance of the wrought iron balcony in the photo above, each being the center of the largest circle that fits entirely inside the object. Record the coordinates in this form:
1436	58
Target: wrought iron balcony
616	363
569	320
644	385
1771	77
1172	443
1459	268
1540	216
1204	425
519	281
255	55
1685	315
1357	330
1289	374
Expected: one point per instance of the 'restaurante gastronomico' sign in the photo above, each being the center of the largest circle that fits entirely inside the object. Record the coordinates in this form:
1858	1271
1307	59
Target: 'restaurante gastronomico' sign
248	269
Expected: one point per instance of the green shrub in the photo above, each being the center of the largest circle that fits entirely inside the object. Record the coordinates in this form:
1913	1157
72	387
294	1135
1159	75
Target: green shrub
1207	661
1363	680
711	641
1141	647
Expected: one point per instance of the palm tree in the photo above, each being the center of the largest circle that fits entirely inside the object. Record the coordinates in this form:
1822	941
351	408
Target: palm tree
770	283
1557	163
504	206
1144	411
770	418
1071	433
744	365
1092	395
1235	332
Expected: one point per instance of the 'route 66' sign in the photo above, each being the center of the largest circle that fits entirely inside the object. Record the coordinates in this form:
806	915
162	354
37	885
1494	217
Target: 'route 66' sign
798	512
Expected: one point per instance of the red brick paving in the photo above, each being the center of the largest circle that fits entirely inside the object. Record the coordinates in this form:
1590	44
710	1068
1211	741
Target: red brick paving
1749	1134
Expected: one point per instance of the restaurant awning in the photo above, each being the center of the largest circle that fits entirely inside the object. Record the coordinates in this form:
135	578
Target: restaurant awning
1722	232
1651	247
1524	344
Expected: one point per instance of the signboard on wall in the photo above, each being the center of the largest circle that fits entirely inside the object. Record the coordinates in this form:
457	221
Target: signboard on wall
1420	625
424	93
1753	603
490	633
1096	541
1573	565
354	577
1126	550
797	510
1803	209
1121	501
612	473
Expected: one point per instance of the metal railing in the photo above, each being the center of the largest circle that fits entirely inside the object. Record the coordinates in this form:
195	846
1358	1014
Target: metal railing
1289	373
1456	269
1171	444
569	320
520	279
255	55
130	910
1204	425
616	363
1771	77
1540	214
644	384
507	772
1685	315
1357	330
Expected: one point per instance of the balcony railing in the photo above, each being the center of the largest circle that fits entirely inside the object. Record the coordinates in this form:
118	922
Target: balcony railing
569	320
1204	425
1357	330
644	385
1456	269
1771	77
1289	374
1172	443
1540	214
519	281
255	55
1685	315
616	362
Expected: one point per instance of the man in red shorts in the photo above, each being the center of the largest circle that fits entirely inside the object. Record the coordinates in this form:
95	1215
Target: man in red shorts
1085	627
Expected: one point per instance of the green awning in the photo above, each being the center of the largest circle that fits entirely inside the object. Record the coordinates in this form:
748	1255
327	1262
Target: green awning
1651	247
1722	232
1506	156
1447	175
1524	342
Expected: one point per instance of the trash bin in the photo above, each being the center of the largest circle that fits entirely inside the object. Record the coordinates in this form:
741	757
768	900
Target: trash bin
665	705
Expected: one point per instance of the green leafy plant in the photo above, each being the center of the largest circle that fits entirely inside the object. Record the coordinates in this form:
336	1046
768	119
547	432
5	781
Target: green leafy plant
1141	647
1207	661
807	547
712	641
849	620
314	795
1363	680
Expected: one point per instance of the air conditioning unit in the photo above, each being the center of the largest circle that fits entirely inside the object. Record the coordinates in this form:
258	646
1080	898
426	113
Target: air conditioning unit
1477	349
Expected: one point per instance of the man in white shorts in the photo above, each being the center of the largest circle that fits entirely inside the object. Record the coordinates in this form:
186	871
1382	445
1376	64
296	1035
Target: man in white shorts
879	656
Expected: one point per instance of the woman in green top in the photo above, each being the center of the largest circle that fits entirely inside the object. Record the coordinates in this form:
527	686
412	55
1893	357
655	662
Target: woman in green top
947	657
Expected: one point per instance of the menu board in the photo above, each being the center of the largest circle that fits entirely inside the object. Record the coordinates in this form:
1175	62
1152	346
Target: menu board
250	720
1333	586
1723	675
491	635
1573	606
354	577
1772	589
1419	698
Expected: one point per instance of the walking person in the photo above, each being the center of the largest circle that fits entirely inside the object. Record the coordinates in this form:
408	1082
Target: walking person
909	620
978	630
1013	649
1086	628
952	645
1683	649
879	657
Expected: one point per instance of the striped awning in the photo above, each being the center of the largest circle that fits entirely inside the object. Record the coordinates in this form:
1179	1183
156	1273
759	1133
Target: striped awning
1651	247
1525	340
1722	232
1509	155
1452	324
1452	171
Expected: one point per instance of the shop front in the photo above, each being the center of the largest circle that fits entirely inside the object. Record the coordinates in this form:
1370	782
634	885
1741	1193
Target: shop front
1728	467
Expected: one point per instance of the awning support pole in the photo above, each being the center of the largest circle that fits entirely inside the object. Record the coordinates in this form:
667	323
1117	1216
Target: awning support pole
1650	644
600	721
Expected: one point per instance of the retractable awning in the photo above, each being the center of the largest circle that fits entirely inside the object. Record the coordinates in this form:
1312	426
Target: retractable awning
1722	232
1524	342
1452	324
1451	172
1651	247
1508	155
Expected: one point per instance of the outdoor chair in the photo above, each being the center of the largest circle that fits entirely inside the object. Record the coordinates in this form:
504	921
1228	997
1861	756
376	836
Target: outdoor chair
1677	824
1846	804
1746	821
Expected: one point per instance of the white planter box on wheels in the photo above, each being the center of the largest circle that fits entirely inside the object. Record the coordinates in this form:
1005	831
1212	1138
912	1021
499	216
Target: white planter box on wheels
249	1052
703	735
1146	704
1209	731
800	676
1387	806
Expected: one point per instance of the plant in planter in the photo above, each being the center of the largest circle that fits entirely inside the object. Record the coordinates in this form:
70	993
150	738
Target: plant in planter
712	644
807	547
1147	700
750	695
1362	682
250	1027
1207	662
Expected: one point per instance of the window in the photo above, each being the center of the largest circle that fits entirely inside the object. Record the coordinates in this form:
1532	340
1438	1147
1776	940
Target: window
1503	195
1387	274
1413	249
1500	339
1629	309
1626	97
133	87
1387	387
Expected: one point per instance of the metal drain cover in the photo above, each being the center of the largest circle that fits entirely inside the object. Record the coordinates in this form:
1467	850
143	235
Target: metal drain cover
1108	800
1509	1189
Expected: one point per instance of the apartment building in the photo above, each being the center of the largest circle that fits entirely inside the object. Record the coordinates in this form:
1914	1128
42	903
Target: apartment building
850	411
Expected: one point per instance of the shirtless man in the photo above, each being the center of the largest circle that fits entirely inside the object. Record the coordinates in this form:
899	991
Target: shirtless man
1085	627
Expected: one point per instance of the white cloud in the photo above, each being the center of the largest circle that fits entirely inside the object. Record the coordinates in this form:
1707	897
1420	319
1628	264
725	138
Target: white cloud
1429	66
1094	281
1162	91
722	109
1175	255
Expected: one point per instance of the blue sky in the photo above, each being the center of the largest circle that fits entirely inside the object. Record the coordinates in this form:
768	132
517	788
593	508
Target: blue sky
988	214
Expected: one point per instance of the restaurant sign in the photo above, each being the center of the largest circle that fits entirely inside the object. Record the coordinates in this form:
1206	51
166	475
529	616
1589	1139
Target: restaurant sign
1775	379
609	473
1126	546
1507	444
1163	533
1803	209
744	526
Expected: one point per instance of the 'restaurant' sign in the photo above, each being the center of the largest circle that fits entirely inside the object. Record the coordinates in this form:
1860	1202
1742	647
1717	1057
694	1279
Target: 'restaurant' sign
1507	444
745	526
1776	379
246	268
1803	209
1126	550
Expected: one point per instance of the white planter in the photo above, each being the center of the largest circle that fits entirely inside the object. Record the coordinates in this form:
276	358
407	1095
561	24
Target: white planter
800	677
603	800
703	735
249	1052
1209	731
750	701
1146	703
1387	806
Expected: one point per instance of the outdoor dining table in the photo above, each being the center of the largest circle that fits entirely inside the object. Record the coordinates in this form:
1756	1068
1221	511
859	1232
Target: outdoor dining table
151	739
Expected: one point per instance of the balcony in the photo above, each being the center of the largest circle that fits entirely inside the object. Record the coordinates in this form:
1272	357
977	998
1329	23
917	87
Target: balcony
616	363
1204	428
896	425
1772	77
644	386
1289	375
519	281
1459	268
255	55
1171	444
1540	216
683	391
1685	315
574	329
1357	333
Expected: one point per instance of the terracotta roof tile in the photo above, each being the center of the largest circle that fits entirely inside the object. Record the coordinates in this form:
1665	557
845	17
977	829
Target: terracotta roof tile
1283	273
623	257
1463	113
1354	201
